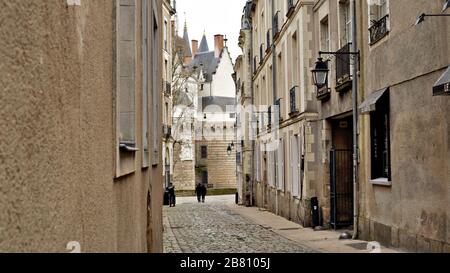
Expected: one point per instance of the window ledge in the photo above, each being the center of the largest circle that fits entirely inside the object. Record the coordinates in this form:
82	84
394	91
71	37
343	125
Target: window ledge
381	182
126	148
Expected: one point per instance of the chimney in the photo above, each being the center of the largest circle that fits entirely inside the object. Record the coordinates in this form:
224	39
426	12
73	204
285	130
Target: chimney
194	47
218	45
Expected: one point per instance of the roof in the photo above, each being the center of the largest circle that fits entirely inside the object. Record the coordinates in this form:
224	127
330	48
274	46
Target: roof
207	62
187	42
204	45
221	102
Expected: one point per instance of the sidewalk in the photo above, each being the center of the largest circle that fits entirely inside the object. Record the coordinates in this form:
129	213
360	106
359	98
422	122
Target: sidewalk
326	241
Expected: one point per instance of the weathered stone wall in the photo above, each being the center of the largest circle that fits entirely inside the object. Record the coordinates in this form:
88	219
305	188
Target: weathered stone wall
57	148
184	171
413	213
221	167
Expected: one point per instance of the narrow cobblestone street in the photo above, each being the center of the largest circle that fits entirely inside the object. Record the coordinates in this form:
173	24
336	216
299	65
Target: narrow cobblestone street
215	228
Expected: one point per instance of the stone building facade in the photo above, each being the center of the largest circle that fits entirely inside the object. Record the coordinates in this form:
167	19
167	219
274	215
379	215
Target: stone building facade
401	197
283	124
406	203
205	115
79	94
168	12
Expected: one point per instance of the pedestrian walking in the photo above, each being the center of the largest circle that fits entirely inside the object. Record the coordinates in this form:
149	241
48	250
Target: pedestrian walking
199	192
172	196
204	192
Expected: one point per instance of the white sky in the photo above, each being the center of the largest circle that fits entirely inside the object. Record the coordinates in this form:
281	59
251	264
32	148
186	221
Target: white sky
214	17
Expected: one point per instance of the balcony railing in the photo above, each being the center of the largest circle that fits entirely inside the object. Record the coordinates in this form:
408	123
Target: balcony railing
261	53
167	89
276	24
268	40
255	64
323	93
167	131
278	105
290	7
293	93
379	29
269	114
343	75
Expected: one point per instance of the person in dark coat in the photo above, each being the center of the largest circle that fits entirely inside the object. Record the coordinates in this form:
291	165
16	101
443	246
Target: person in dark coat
199	191
171	189
204	192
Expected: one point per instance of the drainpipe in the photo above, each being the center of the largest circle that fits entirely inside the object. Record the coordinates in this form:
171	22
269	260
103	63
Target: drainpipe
252	94
354	48
274	84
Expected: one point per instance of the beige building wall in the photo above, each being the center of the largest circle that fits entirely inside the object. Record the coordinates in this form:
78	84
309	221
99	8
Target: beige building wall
412	211
60	180
283	188
167	64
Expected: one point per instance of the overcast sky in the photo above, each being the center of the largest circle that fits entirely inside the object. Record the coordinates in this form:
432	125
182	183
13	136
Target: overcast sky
214	17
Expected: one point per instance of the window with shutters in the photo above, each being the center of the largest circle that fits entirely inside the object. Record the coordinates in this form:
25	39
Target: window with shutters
294	162
125	93
258	163
145	81
156	90
281	183
296	167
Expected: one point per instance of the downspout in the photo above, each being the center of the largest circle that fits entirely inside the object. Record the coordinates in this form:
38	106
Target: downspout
274	87
252	94
354	48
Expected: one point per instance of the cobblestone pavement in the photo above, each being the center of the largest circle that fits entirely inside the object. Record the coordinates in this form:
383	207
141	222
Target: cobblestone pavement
214	228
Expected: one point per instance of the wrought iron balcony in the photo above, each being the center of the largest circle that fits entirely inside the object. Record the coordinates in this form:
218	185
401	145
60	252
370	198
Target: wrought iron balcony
343	75
268	42
293	94
290	7
167	131
255	64
276	24
323	93
261	53
379	29
269	113
278	104
168	89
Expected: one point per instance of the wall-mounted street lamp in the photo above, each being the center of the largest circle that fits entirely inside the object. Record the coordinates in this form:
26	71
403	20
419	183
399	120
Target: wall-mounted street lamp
421	18
442	86
320	73
446	5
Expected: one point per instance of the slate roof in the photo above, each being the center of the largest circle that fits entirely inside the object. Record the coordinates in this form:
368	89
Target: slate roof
204	45
187	42
221	102
207	62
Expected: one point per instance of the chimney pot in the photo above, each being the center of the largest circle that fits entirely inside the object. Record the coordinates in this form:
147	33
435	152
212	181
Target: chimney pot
218	44
194	47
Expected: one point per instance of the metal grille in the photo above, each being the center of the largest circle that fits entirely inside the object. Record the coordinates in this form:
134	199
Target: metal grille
293	100
276	24
378	30
341	169
343	65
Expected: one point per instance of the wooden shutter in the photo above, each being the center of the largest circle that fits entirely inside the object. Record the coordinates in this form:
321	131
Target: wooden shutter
295	159
280	166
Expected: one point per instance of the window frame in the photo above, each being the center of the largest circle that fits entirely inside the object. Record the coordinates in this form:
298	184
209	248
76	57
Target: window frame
203	152
378	175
